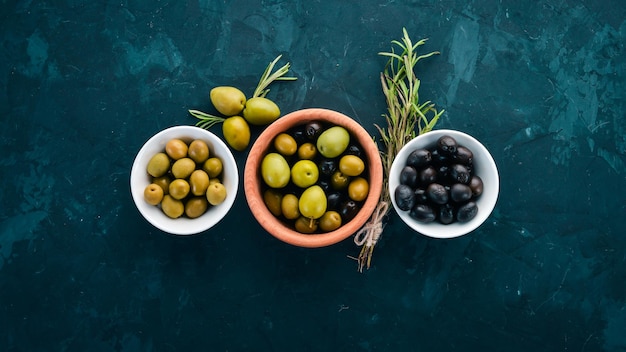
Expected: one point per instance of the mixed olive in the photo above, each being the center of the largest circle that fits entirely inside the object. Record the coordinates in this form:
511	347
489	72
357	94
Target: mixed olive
315	177
438	183
185	180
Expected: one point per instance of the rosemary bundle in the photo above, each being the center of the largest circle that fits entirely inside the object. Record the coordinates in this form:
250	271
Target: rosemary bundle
406	117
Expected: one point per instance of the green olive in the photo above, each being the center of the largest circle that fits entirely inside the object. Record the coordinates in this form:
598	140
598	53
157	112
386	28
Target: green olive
358	189
153	194
163	181
307	151
158	165
198	151
183	167
236	132
172	207
216	193
199	182
330	221
275	170
176	148
306	225
285	144
179	188
213	167
289	206
260	111
196	206
227	100
351	165
339	180
273	200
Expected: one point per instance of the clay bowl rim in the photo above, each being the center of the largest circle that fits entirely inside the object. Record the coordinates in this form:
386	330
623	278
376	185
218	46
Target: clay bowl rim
252	186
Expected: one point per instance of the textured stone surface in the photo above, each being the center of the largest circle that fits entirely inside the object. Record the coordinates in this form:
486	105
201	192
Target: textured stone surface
84	84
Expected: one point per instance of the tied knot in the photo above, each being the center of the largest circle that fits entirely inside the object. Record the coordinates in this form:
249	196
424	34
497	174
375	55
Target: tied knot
369	234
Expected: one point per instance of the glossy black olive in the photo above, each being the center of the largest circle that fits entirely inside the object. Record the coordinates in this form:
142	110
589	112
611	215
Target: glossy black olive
428	175
446	214
333	200
443	174
327	167
408	176
312	130
467	212
419	158
437	193
420	196
299	135
325	184
464	156
404	196
460	192
423	213
476	184
354	149
440	159
348	210
446	145
459	173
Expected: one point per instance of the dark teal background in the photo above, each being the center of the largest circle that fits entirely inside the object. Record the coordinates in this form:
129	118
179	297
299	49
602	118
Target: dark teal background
85	83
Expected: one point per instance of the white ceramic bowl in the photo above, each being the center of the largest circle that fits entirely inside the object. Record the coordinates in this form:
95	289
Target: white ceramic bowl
484	167
139	179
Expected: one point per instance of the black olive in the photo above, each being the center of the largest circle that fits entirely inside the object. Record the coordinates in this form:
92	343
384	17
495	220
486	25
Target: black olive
327	166
443	174
299	135
476	184
420	195
467	212
354	149
459	173
325	184
439	158
423	213
437	193
428	175
408	176
312	130
460	192
447	145
333	200
446	214
464	156
404	196
419	158
348	210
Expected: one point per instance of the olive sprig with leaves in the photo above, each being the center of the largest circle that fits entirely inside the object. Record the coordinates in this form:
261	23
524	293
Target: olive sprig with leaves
405	117
231	103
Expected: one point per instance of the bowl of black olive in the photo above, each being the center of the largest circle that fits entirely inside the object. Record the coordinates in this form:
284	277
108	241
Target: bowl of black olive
444	184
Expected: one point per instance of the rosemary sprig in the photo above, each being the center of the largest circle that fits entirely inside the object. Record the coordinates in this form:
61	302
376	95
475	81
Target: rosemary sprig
268	77
405	117
206	120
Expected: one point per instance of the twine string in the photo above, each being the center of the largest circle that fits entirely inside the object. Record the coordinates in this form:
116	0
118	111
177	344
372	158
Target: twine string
369	234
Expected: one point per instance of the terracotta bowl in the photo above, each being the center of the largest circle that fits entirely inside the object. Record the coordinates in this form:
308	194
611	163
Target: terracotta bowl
253	185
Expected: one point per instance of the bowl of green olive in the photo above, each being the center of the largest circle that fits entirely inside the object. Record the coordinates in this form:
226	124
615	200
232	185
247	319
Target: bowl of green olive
184	180
444	183
313	177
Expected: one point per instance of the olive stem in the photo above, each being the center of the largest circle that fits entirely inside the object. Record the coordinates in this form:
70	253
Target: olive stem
404	115
267	77
206	120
